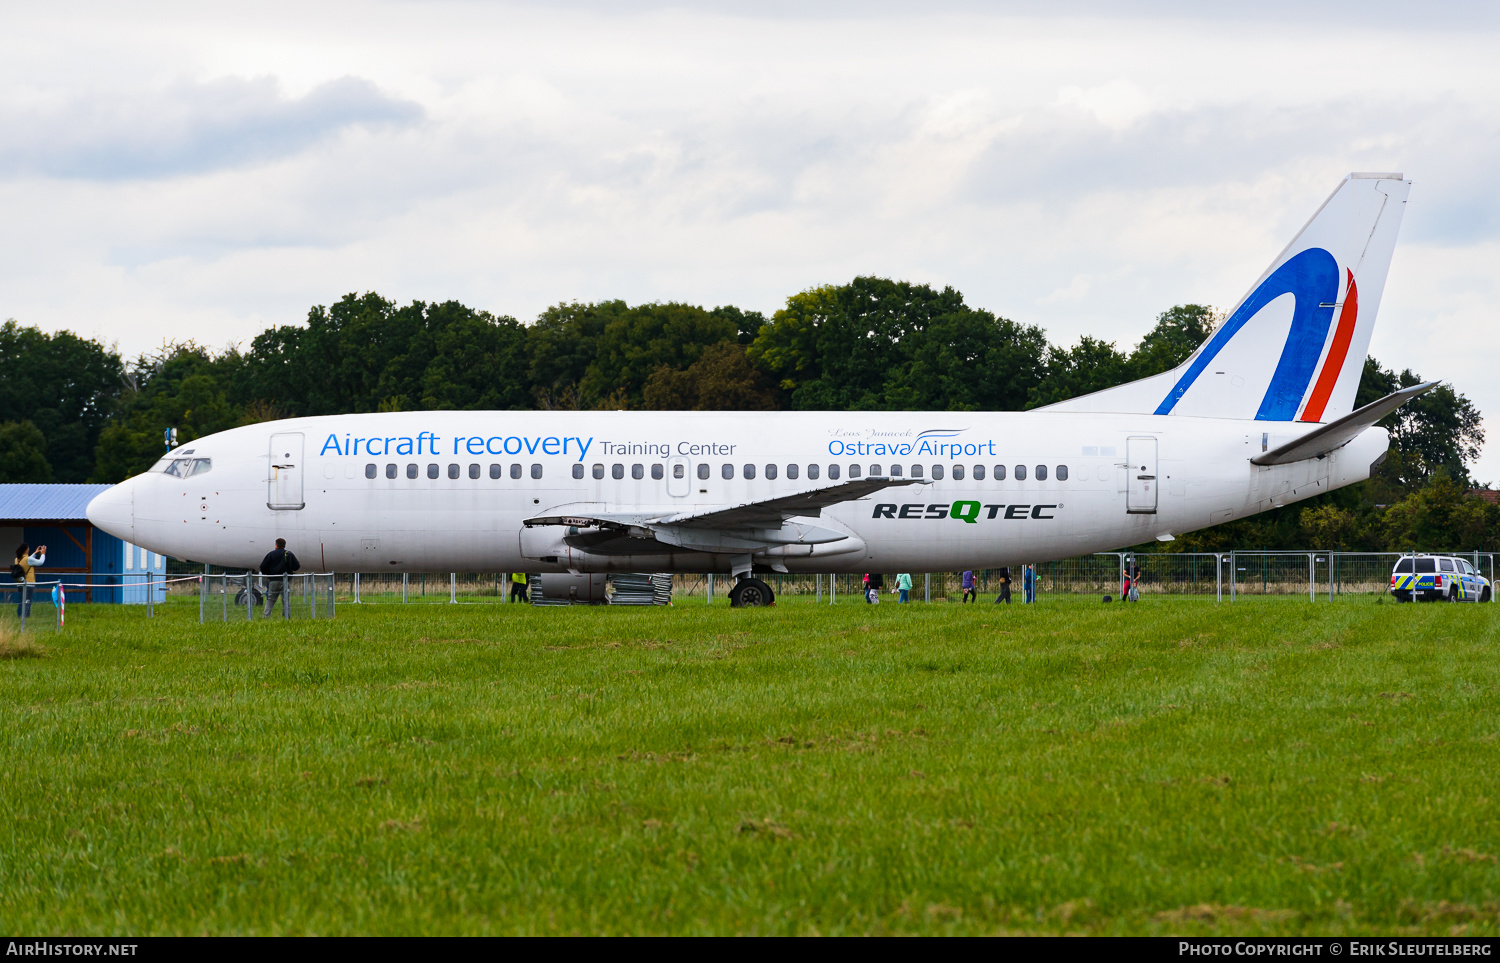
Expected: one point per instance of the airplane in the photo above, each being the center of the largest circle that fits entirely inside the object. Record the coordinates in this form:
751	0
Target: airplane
1260	415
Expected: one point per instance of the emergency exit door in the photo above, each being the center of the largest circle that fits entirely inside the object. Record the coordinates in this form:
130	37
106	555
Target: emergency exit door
1140	476
284	483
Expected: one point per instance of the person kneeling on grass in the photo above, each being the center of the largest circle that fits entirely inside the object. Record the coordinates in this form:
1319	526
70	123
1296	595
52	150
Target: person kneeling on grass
277	562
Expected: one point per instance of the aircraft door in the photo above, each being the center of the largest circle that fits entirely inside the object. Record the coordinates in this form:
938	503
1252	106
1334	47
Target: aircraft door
679	477
284	481
1140	476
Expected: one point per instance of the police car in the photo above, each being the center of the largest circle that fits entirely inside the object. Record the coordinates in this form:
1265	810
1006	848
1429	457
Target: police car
1438	577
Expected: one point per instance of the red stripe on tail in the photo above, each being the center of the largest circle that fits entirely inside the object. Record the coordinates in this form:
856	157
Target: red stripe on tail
1334	363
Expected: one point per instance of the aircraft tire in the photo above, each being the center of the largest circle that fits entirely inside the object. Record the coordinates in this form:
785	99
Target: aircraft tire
239	598
751	593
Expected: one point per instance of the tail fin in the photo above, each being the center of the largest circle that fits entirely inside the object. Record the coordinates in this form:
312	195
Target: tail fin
1280	356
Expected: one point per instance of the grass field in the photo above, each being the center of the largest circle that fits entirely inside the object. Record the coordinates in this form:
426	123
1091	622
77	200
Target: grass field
1170	767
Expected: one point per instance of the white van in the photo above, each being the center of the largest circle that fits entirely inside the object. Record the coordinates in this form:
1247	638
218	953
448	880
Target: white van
1432	578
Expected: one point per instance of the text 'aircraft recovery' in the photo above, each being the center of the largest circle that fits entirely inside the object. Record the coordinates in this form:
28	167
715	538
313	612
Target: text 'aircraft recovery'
1261	415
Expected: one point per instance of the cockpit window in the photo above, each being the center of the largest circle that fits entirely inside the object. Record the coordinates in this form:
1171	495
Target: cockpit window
185	467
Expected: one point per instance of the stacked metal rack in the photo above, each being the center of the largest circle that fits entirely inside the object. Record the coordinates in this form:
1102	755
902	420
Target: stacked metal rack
636	588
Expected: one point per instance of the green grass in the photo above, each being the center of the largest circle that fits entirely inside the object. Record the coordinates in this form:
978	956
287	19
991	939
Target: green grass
1170	767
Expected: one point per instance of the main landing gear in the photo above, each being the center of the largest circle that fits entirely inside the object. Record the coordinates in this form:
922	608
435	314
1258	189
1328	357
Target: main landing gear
749	592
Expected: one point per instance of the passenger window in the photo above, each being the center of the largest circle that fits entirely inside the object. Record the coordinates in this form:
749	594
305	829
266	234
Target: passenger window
1403	566
598	471
726	472
1062	472
369	471
958	472
937	472
578	470
875	471
703	471
916	471
390	471
853	471
536	471
999	473
792	471
637	471
1020	473
495	471
833	472
452	471
1466	567
1041	472
979	473
1425	565
473	471
1445	565
895	471
515	471
432	471
657	471
749	471
770	471
679	471
411	471
617	471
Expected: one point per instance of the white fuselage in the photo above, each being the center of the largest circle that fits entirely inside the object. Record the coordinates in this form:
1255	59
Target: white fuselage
1130	478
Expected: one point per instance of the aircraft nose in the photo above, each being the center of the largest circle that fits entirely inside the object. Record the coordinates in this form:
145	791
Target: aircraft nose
114	511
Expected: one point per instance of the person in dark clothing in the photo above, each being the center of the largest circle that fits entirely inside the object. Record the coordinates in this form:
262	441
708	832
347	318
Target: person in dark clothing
277	562
1004	579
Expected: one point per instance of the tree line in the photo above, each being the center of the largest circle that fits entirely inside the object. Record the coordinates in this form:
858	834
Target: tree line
74	410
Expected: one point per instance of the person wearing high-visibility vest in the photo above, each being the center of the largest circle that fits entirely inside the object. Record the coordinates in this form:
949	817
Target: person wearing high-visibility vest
518	586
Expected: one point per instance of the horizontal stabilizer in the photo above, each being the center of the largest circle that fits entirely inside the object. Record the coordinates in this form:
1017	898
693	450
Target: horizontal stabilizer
1336	434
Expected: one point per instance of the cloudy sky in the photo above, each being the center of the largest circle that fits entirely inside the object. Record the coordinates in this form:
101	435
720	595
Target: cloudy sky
175	171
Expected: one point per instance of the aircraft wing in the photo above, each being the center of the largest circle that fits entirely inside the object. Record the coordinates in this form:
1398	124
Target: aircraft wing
1320	441
773	511
770	512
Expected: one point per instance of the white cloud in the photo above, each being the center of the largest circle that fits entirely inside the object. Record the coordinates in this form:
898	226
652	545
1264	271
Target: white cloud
175	171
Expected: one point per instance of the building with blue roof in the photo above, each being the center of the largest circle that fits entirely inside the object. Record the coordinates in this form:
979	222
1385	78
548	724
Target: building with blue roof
77	553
